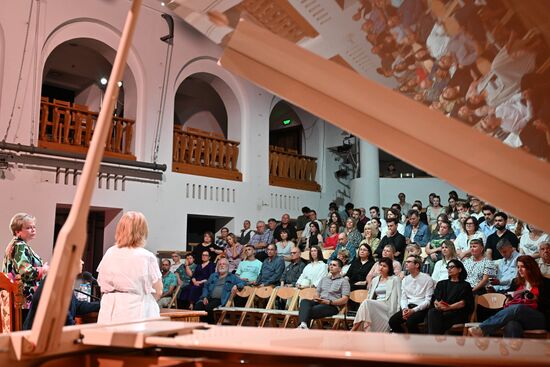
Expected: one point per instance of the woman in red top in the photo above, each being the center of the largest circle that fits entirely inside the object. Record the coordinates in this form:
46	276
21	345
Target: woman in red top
331	241
527	305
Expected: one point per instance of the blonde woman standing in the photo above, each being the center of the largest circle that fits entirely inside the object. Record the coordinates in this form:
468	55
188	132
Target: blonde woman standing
129	275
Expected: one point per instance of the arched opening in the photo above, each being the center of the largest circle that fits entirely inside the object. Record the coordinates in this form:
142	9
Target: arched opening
285	128
202	126
74	81
198	105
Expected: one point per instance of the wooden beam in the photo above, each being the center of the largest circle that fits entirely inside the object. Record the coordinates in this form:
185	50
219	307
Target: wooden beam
508	178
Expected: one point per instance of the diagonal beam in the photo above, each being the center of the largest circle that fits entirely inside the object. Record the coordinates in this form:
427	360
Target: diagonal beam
508	178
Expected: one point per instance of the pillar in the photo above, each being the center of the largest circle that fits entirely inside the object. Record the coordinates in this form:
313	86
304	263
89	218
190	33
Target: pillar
365	190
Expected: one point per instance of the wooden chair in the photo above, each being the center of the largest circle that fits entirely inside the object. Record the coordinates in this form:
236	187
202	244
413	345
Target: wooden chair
262	295
289	295
292	315
81	120
45	121
11	302
492	301
357	296
230	309
305	255
174	301
327	253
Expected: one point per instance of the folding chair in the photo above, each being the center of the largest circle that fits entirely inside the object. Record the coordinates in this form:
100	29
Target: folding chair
230	308
288	295
11	302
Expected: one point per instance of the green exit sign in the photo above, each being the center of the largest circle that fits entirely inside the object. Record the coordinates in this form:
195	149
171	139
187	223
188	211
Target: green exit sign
287	122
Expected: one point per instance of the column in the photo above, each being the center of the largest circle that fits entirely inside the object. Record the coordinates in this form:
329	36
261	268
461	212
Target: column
365	190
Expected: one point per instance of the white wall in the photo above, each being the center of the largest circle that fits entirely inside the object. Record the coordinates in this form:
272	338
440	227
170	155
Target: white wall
415	189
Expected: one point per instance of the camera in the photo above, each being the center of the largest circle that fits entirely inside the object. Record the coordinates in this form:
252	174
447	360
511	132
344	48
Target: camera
528	295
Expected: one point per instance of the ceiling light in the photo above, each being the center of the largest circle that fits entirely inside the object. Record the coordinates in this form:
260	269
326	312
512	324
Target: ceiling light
119	83
103	81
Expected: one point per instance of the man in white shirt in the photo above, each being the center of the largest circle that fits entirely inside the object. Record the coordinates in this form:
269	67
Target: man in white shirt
405	207
506	267
544	259
416	294
312	218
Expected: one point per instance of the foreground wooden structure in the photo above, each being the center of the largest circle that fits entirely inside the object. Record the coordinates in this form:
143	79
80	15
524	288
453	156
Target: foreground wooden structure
167	343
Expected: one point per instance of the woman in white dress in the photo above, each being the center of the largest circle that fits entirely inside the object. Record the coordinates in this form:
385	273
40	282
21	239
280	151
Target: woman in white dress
129	275
469	232
314	271
382	302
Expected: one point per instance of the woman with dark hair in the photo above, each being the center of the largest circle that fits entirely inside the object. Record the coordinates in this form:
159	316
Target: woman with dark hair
452	301
334	218
360	267
376	225
433	211
204	269
331	239
314	271
382	301
354	237
315	238
527	306
207	244
470	230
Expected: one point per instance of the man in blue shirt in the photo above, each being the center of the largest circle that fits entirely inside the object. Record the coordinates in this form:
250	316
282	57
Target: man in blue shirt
169	284
343	243
488	225
506	267
272	268
416	231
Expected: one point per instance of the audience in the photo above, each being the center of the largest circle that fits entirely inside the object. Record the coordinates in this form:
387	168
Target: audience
452	300
416	231
488	225
284	246
416	293
221	241
470	230
529	242
294	269
207	244
382	301
331	240
233	252
448	253
506	266
191	293
353	235
500	233
286	225
315	238
544	259
176	262
478	267
246	233
370	236
394	238
388	251
332	292
185	271
343	243
360	267
261	239
433	248
302	220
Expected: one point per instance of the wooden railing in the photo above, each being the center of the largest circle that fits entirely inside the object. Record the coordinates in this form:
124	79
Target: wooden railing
69	127
198	152
289	169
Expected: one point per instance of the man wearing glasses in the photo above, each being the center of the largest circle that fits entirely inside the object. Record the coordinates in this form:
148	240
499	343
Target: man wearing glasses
294	269
261	239
416	294
332	292
272	268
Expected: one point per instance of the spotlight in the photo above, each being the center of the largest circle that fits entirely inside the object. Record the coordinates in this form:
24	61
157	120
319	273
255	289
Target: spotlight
103	81
119	83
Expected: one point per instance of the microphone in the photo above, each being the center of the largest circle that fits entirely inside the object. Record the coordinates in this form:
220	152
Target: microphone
86	294
87	276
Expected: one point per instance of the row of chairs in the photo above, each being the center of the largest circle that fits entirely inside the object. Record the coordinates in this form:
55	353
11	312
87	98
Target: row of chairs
262	307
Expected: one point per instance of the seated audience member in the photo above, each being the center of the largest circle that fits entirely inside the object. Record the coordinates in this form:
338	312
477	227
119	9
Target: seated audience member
370	236
434	210
331	240
448	253
217	290
294	269
360	267
394	213
382	302
405	207
417	205
271	226
500	233
348	209
286	225
343	243
462	213
416	293
529	242
272	268
334	218
332	292
361	218
506	267
169	284
475	209
377	227
433	248
527	305
221	241
249	268
411	250
314	271
185	270
469	232
190	294
246	233
388	251
452	300
544	259
261	239
375	213
176	262
207	244
354	237
302	220
488	225
416	231
394	238
315	238
233	252
344	255
478	268
312	218
284	246
76	307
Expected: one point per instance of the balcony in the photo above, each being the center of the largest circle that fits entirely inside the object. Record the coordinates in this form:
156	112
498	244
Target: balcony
292	170
198	152
69	127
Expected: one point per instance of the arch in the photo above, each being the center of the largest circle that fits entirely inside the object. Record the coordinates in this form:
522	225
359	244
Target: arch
134	75
285	126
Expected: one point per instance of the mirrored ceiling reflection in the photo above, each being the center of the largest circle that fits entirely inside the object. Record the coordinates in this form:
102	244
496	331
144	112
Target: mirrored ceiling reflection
483	62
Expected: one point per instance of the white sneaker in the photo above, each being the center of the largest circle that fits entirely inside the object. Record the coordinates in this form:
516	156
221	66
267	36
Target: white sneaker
302	326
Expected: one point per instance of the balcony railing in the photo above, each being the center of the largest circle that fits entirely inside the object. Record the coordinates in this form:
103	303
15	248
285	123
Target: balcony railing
289	169
201	153
70	128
